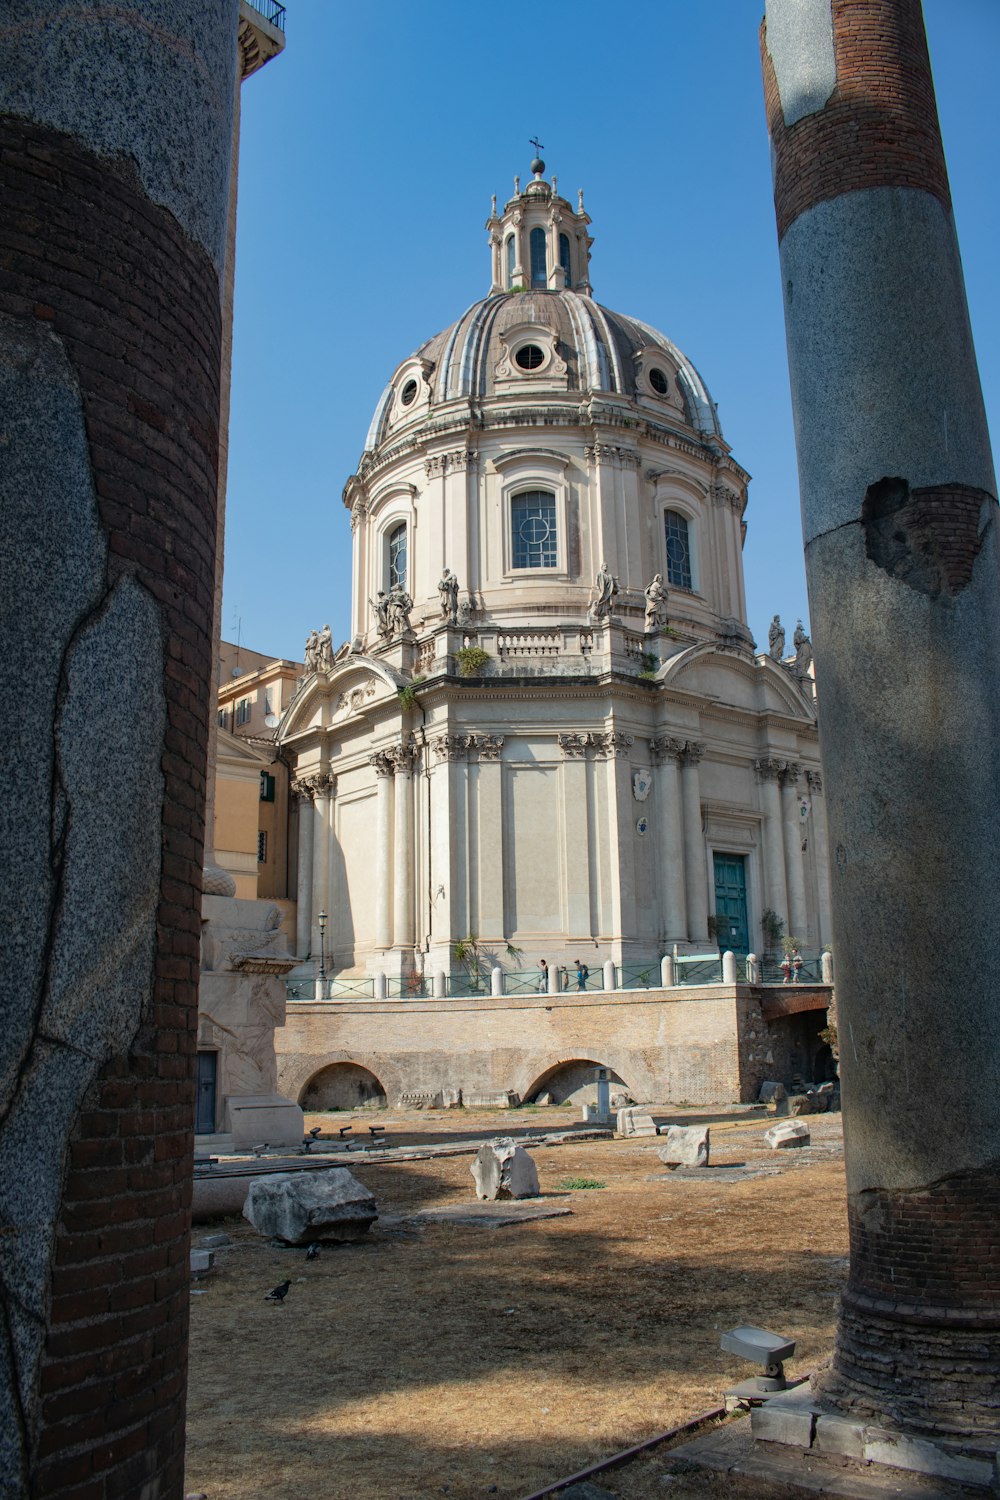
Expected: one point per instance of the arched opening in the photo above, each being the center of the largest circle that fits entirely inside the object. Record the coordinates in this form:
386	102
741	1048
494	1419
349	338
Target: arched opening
343	1085
539	267
575	1082
564	258
511	260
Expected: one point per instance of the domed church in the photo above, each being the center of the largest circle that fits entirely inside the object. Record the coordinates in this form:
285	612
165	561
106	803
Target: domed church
551	731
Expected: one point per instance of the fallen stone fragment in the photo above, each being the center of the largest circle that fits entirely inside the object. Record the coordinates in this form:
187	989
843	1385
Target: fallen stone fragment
769	1090
630	1122
503	1169
686	1146
300	1207
800	1104
788	1133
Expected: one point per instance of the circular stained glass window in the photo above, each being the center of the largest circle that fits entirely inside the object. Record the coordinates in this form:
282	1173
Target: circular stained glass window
409	393
658	381
529	357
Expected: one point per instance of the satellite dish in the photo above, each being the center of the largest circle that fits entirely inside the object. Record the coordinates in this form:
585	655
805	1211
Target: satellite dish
272	721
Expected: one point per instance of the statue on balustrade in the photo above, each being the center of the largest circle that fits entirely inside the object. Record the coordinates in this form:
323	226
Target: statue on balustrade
324	650
776	639
311	654
448	594
656	605
803	650
605	589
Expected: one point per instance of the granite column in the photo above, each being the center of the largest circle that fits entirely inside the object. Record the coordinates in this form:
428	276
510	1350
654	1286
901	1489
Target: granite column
900	520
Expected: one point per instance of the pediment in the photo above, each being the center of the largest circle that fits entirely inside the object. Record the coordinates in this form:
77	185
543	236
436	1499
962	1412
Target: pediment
356	685
753	685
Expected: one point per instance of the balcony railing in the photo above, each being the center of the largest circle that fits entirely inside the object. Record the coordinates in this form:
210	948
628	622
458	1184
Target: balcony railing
272	12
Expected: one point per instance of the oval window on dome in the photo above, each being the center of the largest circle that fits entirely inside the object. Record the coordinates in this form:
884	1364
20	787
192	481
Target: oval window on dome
409	393
529	357
659	382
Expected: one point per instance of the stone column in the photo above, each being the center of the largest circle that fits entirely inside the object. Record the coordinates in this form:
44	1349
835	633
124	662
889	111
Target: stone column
384	770
791	828
821	856
402	885
489	839
695	865
447	839
110	368
576	836
903	561
669	814
303	793
323	789
775	885
615	747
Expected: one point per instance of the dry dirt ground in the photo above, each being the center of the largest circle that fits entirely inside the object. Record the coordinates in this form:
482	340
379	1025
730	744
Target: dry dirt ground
440	1359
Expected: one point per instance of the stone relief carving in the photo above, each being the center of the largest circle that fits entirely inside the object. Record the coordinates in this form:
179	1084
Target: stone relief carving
604	590
656	605
403	756
642	781
382	762
615	744
489	746
692	753
814	781
574	745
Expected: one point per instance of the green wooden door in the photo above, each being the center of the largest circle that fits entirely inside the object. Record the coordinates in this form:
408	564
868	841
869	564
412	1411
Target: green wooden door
731	902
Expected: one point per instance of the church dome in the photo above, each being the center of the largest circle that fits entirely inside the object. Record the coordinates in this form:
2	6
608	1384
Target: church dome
545	341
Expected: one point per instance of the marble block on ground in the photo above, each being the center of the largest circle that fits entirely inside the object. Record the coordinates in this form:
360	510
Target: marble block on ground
299	1207
632	1122
771	1089
252	1119
788	1133
503	1169
686	1146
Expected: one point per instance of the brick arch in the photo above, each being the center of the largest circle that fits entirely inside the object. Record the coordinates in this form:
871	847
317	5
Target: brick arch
295	1074
552	1069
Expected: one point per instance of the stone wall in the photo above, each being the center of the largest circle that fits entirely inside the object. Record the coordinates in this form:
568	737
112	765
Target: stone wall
696	1046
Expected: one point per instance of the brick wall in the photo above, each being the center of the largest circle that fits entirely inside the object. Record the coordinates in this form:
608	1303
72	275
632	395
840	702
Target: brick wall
136	305
878	129
671	1045
924	1297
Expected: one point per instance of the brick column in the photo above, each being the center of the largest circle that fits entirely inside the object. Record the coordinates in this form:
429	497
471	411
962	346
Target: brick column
903	560
110	337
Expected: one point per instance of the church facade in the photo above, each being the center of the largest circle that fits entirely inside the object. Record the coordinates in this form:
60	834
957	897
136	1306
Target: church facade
551	733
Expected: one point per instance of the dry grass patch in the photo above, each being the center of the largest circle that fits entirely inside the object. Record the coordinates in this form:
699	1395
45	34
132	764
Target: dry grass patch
469	1361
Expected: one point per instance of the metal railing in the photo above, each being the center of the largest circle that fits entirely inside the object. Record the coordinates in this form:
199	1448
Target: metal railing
690	972
271	10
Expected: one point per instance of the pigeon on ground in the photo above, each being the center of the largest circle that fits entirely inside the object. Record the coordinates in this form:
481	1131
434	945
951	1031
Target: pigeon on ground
278	1293
313	1252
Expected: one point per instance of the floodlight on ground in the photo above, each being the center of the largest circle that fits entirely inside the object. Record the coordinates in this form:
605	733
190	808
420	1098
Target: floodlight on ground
762	1348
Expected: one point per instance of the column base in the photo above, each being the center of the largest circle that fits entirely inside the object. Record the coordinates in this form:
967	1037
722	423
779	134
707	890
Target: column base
804	1419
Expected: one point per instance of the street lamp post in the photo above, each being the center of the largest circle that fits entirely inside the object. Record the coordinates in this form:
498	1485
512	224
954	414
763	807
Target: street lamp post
322	945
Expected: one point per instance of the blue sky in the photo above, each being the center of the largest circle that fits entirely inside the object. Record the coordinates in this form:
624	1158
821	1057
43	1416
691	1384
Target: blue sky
370	149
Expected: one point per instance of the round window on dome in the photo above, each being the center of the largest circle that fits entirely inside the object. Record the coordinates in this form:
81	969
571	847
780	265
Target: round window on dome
409	393
529	357
659	382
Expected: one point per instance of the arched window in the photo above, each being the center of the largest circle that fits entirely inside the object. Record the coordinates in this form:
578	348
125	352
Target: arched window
396	555
511	260
678	550
533	529
536	241
564	257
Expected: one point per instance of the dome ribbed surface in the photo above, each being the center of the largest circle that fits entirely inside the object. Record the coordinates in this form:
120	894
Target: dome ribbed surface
598	346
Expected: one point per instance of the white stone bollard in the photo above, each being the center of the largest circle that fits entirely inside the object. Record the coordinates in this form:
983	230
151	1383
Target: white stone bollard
729	967
496	981
555	979
667	971
827	968
378	988
610	975
753	969
440	988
